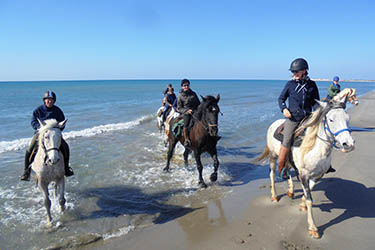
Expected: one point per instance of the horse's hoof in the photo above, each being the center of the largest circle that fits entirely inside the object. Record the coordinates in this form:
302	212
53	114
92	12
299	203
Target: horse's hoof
213	177
275	199
290	195
202	184
166	169
302	208
314	233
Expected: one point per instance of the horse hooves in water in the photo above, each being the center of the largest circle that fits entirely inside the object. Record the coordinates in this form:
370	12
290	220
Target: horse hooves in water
213	177
290	195
166	169
302	208
314	233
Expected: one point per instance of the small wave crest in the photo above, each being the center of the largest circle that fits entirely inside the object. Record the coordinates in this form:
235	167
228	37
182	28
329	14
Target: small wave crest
15	145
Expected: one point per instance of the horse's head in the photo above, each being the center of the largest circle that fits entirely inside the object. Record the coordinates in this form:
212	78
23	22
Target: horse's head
348	94
208	113
50	139
336	125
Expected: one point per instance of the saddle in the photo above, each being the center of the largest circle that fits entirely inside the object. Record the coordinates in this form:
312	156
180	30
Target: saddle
178	125
297	139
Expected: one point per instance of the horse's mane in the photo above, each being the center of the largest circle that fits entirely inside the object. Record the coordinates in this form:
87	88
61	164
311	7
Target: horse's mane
49	124
311	124
209	100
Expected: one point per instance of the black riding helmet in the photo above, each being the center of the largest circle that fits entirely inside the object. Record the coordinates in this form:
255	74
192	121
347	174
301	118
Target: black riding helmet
185	81
49	94
299	64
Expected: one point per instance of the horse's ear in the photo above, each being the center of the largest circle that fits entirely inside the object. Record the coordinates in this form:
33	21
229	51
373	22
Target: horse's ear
203	99
62	124
217	97
321	104
42	123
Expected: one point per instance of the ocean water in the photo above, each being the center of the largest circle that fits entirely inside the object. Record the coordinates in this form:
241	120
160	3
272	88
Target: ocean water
118	155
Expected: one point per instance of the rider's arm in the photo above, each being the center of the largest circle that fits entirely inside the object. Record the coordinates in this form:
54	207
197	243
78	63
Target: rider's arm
34	120
283	96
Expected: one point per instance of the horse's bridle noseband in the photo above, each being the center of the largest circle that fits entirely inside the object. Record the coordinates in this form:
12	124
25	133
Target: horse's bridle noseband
333	134
47	150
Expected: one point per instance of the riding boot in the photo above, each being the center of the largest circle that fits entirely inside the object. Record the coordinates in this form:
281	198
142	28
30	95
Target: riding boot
187	143
331	170
283	156
27	168
65	151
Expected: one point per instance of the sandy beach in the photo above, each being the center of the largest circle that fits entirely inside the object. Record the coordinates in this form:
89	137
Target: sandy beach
344	209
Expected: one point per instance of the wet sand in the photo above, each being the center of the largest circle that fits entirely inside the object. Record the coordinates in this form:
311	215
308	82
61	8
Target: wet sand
343	208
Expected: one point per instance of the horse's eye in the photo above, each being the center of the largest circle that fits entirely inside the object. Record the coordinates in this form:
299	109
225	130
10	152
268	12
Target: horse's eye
330	120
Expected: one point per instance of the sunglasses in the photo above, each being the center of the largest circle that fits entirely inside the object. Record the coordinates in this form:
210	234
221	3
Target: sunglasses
185	85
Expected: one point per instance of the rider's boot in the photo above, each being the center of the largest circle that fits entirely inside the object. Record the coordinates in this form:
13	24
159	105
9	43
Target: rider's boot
65	151
27	168
283	156
187	143
331	170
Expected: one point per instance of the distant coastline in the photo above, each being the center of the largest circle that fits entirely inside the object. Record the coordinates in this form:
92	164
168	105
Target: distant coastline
344	80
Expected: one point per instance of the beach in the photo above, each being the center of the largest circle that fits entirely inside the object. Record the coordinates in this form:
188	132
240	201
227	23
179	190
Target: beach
343	208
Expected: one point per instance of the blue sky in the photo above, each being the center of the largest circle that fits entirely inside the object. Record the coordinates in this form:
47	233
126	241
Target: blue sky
57	40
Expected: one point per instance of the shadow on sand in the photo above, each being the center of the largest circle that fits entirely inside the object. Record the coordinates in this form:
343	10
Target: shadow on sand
354	198
124	200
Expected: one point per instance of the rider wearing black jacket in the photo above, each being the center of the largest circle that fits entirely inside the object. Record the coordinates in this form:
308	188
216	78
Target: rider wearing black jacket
46	111
187	104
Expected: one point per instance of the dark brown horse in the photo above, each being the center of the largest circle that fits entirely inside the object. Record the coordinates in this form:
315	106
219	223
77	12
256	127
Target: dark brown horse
203	136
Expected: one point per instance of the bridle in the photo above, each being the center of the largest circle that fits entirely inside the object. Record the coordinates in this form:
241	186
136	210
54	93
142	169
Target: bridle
45	150
332	135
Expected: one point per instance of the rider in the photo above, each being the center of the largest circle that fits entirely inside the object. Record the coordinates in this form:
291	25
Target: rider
334	88
170	101
187	104
302	94
44	112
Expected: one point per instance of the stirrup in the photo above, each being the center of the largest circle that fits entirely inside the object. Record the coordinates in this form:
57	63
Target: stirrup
284	173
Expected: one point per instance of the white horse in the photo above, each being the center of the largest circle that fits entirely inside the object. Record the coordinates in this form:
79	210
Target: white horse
165	125
349	93
327	127
48	164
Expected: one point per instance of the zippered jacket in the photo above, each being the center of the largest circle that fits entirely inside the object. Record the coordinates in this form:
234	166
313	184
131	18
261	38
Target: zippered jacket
44	113
301	96
187	100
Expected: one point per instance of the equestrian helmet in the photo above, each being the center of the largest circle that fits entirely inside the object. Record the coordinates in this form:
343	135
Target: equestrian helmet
336	79
298	64
49	94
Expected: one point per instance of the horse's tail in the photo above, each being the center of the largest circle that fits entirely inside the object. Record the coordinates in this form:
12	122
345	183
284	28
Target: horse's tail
265	155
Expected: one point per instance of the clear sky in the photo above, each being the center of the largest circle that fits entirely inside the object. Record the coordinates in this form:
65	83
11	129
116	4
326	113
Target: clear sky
153	39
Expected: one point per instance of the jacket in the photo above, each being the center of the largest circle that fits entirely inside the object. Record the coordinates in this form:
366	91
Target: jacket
301	95
333	89
44	113
187	100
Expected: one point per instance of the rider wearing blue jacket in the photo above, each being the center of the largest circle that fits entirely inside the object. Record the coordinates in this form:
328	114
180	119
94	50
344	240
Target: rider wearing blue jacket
301	93
44	112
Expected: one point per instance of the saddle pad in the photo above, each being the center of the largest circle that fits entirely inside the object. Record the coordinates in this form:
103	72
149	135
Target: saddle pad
177	128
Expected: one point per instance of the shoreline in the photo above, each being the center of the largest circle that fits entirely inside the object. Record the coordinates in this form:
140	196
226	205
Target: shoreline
247	219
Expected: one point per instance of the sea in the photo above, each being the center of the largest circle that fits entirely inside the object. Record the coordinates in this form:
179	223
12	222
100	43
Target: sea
118	155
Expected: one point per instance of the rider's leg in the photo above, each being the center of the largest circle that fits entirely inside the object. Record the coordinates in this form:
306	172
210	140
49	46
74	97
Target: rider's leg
29	159
186	130
289	128
64	147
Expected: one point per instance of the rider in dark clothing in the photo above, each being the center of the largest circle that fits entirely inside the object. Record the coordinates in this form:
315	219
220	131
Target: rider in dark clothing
170	101
46	111
302	94
187	104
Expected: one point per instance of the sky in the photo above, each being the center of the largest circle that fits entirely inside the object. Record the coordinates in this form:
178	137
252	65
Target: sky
92	39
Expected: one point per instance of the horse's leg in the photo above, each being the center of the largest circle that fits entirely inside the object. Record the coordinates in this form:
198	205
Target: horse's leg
213	154
43	186
61	194
171	146
313	230
186	157
274	197
200	168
